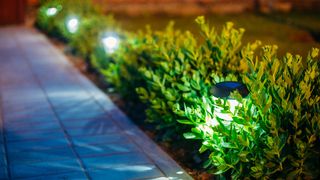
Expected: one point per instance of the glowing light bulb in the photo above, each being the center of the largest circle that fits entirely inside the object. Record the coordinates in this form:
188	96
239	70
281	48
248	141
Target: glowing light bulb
110	43
72	24
51	11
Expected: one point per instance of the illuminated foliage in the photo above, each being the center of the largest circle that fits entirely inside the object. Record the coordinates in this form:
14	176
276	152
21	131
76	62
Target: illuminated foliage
184	68
273	133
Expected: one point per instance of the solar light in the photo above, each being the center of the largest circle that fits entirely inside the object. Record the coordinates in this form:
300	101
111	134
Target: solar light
51	11
72	24
222	91
110	42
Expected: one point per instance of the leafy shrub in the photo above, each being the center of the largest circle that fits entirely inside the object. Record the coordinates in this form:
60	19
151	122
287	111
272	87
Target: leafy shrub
274	133
286	94
184	68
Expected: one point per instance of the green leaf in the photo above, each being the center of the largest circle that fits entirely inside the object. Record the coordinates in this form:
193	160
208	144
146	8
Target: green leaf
169	96
228	145
183	88
195	85
184	121
203	149
189	135
293	174
243	154
207	163
222	169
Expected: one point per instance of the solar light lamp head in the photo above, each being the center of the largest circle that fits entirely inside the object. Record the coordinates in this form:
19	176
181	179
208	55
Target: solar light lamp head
51	11
72	24
110	42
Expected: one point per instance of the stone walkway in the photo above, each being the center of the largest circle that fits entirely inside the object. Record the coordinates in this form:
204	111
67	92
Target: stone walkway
55	124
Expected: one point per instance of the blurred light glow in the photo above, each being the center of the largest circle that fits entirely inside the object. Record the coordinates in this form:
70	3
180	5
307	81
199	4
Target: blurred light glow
51	11
232	104
110	42
179	172
211	121
135	168
72	24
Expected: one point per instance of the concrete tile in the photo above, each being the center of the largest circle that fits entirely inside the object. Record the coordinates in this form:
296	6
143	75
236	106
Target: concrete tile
30	119
45	168
3	173
1	149
105	149
82	115
35	101
14	114
64	93
98	123
115	160
99	130
35	135
77	103
26	157
159	178
64	176
33	119
67	98
84	109
37	145
3	159
126	172
25	108
99	139
27	93
31	126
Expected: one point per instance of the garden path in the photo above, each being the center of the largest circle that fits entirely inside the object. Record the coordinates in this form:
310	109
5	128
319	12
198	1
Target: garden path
56	124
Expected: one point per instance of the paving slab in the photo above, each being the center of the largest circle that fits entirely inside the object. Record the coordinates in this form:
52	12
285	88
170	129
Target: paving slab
63	176
142	171
47	155
56	124
44	168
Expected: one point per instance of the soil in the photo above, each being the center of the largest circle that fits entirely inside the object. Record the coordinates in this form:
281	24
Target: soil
190	162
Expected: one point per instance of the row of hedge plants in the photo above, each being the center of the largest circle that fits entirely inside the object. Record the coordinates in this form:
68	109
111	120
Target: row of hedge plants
272	133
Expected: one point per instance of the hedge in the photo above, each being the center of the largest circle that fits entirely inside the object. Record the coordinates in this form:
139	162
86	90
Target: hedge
272	133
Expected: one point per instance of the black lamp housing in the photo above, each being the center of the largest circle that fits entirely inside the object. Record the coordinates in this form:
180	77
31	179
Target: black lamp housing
224	89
